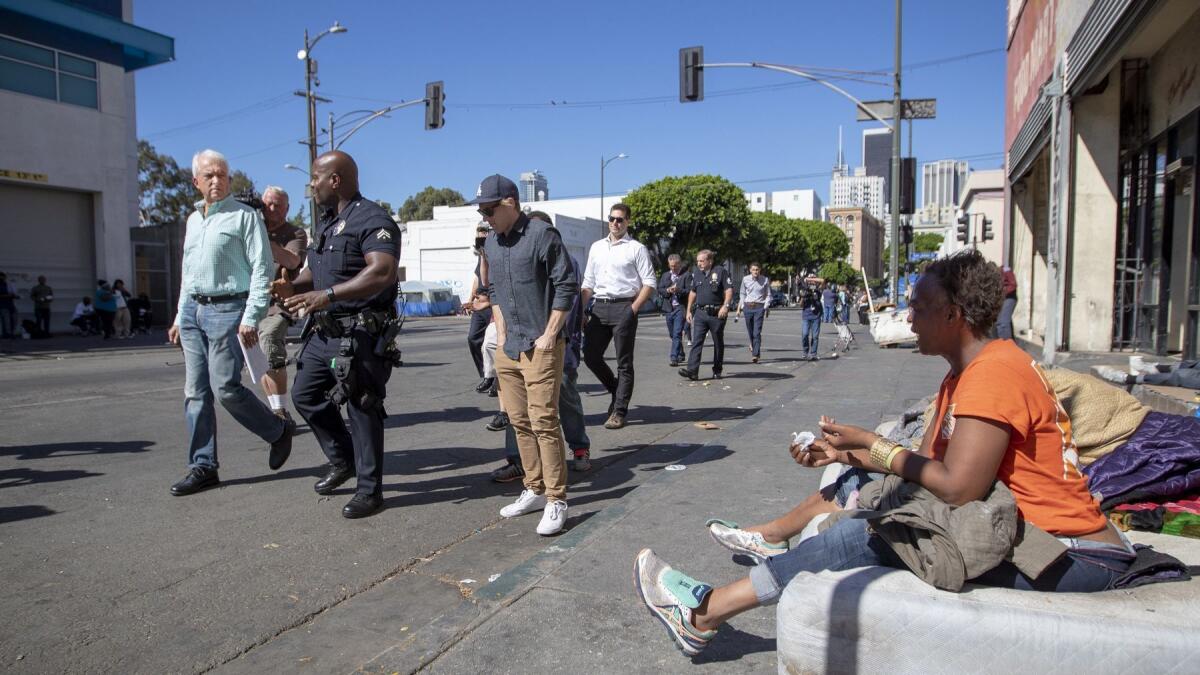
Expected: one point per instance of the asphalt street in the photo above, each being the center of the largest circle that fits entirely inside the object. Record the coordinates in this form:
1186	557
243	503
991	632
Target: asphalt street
107	572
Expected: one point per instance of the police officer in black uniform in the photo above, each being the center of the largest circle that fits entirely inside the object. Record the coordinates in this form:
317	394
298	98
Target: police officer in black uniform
349	292
711	291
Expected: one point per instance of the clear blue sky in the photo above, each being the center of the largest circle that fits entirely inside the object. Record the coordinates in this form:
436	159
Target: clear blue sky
230	87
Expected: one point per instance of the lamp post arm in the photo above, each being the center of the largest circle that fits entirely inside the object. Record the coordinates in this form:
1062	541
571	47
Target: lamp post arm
376	115
791	70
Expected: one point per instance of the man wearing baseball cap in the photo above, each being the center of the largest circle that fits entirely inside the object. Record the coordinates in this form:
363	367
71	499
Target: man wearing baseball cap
532	289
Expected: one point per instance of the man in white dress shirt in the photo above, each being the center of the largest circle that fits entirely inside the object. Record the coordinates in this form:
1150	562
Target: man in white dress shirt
621	279
754	299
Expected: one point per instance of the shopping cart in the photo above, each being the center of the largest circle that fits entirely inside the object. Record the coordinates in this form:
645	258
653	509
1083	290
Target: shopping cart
845	337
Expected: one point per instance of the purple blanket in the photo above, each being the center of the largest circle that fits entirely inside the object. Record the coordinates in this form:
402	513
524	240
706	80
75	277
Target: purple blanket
1161	460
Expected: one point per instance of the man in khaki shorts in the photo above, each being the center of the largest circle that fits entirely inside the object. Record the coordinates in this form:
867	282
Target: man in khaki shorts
288	244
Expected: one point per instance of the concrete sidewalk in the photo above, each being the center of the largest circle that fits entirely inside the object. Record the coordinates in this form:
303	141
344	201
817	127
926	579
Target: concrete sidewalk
572	608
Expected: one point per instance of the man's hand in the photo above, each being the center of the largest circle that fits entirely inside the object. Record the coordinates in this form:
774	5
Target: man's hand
543	342
173	335
723	312
282	288
671	289
308	303
688	316
248	335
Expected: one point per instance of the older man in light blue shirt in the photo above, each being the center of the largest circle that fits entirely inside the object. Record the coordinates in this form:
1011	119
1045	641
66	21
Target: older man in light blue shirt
225	293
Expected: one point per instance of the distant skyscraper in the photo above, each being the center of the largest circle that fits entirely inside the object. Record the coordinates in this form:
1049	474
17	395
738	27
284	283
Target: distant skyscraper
941	188
877	159
534	187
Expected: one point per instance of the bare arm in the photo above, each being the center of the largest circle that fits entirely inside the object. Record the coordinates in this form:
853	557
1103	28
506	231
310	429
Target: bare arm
641	299
379	273
285	258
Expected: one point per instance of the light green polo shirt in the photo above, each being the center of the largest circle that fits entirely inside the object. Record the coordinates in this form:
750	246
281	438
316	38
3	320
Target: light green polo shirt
226	251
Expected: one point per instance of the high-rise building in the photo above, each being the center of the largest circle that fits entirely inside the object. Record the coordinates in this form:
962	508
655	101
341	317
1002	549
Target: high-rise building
534	187
941	189
877	159
858	190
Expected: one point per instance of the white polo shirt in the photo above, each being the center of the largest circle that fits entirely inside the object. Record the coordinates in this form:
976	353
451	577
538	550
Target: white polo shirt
618	269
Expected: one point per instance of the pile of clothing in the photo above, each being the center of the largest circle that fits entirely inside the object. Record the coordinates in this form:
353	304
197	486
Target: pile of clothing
1143	466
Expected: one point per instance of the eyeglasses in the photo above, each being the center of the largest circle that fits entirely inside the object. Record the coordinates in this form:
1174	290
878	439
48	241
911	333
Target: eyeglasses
616	219
487	211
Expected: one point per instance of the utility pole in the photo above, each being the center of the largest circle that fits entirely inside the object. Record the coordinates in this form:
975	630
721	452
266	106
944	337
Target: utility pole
897	116
310	76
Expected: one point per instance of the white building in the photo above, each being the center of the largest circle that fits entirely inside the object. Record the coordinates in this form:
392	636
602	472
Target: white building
858	190
982	197
534	187
802	204
68	145
439	250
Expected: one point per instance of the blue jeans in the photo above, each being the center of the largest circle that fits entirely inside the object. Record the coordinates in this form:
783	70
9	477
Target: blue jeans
213	358
1004	327
8	322
828	313
848	544
810	335
570	416
754	325
675	322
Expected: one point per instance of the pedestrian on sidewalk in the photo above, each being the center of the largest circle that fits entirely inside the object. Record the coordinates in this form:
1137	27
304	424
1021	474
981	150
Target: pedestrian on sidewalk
828	300
223	296
350	285
810	322
710	291
620	278
288	246
122	320
84	317
42	295
672	289
754	300
532	291
481	314
1004	327
106	307
1016	434
8	308
570	405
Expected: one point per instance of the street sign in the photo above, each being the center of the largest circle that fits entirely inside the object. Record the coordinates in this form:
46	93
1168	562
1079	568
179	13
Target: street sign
914	109
916	256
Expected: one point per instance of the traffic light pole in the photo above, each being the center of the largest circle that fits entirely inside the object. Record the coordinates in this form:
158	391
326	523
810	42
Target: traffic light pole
897	115
372	117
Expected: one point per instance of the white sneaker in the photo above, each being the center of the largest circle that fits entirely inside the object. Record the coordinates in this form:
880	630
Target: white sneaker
528	502
553	518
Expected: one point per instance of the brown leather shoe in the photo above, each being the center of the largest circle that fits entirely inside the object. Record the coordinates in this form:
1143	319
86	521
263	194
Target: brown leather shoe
615	421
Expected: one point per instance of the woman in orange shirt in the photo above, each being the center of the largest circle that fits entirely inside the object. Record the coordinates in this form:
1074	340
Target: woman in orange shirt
997	418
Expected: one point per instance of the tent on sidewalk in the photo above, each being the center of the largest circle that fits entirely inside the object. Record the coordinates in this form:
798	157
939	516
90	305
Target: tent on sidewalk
427	298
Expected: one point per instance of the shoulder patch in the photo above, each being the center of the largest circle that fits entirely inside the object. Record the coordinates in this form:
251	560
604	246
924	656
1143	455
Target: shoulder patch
384	235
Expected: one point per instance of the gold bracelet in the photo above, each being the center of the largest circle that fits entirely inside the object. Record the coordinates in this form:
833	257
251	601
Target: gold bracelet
892	456
880	450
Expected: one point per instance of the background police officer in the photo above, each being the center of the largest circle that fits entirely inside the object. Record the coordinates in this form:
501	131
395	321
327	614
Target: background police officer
350	281
708	306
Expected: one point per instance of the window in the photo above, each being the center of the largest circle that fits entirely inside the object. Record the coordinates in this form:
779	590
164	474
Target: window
48	73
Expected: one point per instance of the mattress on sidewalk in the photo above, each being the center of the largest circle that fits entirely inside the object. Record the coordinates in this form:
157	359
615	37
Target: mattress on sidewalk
883	620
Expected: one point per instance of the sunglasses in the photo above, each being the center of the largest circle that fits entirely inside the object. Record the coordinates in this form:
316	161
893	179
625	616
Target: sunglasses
616	219
487	211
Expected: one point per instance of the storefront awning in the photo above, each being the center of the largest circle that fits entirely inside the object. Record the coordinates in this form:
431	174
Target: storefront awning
138	47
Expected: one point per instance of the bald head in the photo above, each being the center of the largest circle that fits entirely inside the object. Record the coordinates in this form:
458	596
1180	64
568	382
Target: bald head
334	178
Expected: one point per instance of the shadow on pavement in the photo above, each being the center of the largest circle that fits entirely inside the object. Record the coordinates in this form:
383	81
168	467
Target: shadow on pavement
456	414
16	477
732	644
760	375
656	414
71	449
297	472
11	514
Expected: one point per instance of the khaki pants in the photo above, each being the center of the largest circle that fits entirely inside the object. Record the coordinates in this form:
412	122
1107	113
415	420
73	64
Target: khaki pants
529	391
122	323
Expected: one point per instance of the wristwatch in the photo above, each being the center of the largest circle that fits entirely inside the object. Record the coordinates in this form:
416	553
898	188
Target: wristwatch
329	294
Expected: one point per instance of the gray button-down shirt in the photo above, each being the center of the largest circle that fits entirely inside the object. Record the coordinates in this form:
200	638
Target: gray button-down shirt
529	275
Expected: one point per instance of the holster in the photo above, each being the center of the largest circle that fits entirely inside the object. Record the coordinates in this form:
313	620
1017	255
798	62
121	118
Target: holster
383	327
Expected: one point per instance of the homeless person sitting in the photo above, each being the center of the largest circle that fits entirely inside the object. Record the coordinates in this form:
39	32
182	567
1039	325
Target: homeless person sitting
995	476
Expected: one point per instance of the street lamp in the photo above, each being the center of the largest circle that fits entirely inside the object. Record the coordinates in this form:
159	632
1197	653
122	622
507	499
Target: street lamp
310	77
293	167
604	165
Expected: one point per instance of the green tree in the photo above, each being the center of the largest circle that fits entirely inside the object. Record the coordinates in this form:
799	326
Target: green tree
927	242
838	271
240	184
299	219
420	206
826	241
387	206
688	213
166	193
776	241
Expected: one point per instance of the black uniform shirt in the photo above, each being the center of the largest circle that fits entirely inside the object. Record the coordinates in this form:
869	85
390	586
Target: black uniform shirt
339	250
710	286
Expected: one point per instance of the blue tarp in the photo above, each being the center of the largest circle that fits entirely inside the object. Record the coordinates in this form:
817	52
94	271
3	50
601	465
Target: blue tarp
439	308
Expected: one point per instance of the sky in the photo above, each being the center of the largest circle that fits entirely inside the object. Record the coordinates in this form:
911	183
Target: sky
556	86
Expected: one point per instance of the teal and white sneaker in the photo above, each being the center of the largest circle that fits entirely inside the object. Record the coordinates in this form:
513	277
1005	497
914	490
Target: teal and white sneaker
671	596
732	537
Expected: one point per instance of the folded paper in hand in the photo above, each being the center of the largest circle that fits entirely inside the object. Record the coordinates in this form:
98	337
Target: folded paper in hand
256	360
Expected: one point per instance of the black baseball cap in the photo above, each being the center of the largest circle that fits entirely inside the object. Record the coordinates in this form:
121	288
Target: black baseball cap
495	188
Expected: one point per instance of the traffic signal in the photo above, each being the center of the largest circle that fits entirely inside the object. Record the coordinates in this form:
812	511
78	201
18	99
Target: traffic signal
435	105
964	221
691	74
906	234
988	235
908	185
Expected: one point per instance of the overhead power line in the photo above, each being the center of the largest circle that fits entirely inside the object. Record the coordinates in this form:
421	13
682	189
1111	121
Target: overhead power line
253	108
